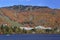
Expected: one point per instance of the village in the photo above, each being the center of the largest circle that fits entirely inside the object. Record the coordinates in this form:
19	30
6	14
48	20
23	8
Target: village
5	29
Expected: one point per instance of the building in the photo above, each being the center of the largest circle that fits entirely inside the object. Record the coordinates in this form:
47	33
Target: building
42	27
26	28
37	27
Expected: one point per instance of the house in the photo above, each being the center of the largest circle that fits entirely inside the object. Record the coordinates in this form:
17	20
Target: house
42	27
26	28
37	27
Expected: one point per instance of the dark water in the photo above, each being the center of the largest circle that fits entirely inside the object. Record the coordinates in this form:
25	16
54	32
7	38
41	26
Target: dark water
30	37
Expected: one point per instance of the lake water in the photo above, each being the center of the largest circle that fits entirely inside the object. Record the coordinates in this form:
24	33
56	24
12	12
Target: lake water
30	37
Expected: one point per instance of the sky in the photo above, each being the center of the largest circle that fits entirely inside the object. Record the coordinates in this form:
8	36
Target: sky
49	3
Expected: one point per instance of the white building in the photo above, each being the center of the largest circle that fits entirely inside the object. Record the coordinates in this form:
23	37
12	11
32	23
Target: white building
37	27
26	28
42	27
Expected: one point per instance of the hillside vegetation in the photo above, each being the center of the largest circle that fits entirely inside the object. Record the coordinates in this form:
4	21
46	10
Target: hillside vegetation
20	15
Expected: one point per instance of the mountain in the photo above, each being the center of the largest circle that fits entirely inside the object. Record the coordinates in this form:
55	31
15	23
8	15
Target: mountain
21	15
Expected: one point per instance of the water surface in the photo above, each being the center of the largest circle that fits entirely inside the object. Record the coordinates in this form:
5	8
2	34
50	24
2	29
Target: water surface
30	37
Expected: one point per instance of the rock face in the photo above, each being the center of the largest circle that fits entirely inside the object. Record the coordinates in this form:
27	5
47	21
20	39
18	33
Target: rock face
25	8
20	15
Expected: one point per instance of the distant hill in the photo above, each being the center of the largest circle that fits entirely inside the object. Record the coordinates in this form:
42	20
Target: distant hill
20	15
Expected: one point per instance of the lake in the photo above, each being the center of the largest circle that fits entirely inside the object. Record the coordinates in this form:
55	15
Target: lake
30	37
